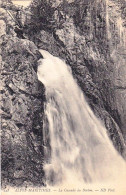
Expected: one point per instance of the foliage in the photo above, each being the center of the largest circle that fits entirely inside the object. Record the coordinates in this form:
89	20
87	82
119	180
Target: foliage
42	15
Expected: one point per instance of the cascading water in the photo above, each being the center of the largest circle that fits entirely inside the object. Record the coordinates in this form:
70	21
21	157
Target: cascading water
80	148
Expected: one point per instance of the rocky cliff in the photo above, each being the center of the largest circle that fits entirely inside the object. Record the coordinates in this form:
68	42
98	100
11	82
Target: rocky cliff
22	108
90	37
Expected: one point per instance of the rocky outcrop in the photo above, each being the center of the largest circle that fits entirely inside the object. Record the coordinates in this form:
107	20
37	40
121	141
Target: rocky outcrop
22	97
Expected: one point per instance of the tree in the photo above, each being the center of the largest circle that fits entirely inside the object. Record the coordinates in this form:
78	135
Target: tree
42	14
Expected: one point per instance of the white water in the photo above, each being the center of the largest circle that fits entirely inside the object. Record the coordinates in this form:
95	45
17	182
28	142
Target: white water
80	148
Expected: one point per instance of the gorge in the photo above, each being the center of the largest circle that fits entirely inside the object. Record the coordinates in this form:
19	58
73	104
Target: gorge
90	37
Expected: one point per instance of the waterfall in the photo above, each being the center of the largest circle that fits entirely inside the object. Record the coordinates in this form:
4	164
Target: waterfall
80	150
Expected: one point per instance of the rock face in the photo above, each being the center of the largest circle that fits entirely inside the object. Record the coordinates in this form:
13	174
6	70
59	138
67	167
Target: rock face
90	39
22	110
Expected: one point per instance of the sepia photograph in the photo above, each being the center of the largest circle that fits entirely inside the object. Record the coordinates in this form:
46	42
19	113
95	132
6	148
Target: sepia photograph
63	97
